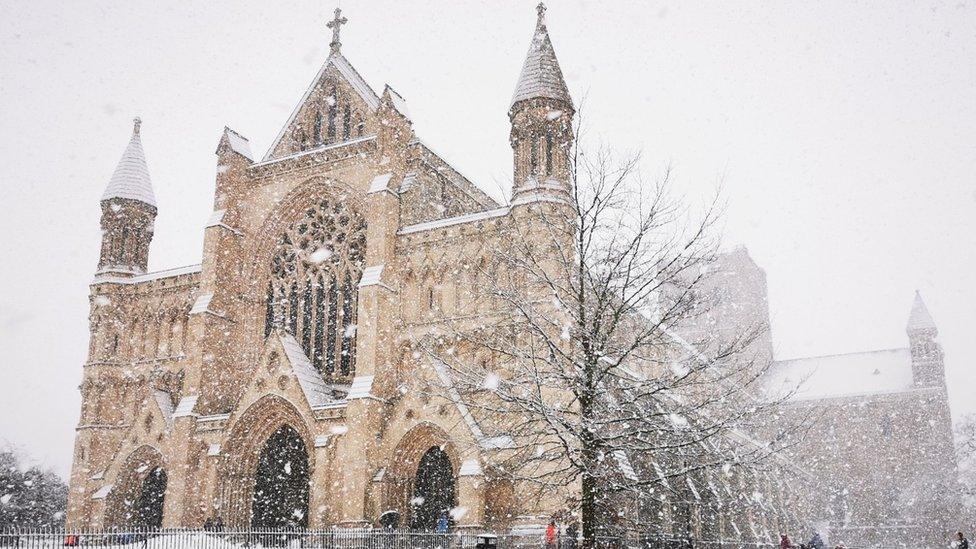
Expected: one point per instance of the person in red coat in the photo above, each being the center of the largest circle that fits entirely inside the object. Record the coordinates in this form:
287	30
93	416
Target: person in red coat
551	534
784	542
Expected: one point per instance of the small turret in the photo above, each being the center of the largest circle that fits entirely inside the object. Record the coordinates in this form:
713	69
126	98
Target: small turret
541	115
128	213
928	368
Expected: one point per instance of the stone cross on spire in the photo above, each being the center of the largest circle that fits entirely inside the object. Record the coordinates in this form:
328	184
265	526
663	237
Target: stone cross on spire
335	25
541	10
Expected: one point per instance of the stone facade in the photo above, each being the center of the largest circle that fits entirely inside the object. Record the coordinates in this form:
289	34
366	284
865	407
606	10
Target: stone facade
322	265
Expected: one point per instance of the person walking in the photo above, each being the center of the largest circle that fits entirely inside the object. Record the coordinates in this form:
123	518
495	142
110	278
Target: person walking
551	534
785	542
442	523
961	541
816	542
572	532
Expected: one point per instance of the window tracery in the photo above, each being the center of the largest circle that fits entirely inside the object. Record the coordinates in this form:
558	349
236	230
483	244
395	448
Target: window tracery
312	291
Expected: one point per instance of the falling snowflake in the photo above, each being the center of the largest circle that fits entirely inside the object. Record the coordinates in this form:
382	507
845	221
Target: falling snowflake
491	381
320	255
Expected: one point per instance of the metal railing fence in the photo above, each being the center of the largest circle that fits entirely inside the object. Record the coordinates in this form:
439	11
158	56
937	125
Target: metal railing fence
335	538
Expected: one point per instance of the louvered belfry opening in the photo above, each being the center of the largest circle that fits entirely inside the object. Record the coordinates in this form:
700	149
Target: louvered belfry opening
312	293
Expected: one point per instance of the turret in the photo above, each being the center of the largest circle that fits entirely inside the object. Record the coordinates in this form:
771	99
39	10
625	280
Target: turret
927	357
128	213
541	115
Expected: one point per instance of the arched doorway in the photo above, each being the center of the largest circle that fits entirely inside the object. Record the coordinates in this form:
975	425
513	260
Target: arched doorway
149	507
281	479
433	489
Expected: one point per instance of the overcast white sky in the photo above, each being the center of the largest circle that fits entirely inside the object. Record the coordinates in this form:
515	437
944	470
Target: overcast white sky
844	133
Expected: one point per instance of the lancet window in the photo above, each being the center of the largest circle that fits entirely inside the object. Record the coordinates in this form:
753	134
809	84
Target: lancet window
312	292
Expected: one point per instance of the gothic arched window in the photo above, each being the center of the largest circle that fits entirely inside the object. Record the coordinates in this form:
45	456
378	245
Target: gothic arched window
312	293
533	156
549	154
333	100
346	122
317	128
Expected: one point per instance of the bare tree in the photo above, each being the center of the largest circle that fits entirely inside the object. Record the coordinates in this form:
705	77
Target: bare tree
579	377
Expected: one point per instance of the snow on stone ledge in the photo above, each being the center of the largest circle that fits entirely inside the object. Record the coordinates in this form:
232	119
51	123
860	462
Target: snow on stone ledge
185	407
239	144
103	492
321	441
449	221
371	276
360	388
470	468
379	183
216	218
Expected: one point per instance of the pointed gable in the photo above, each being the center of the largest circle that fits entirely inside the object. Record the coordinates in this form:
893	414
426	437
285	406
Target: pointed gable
541	75
336	90
131	177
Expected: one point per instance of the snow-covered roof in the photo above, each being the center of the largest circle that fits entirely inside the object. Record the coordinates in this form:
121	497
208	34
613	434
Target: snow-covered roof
131	177
920	319
165	403
148	277
316	391
541	75
866	373
357	82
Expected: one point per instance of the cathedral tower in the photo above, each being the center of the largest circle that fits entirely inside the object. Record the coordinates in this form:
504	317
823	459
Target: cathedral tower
927	357
128	213
541	115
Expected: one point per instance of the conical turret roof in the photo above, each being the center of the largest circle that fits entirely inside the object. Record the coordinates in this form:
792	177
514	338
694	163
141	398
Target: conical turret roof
541	75
131	177
920	319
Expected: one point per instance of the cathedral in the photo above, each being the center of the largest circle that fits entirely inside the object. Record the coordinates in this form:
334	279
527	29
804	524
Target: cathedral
876	426
265	386
289	343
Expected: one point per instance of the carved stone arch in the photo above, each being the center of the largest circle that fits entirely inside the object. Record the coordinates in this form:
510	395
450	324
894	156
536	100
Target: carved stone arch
122	504
406	459
242	449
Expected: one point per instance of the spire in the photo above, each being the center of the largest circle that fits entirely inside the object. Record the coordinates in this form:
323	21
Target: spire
131	177
919	319
541	75
335	24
